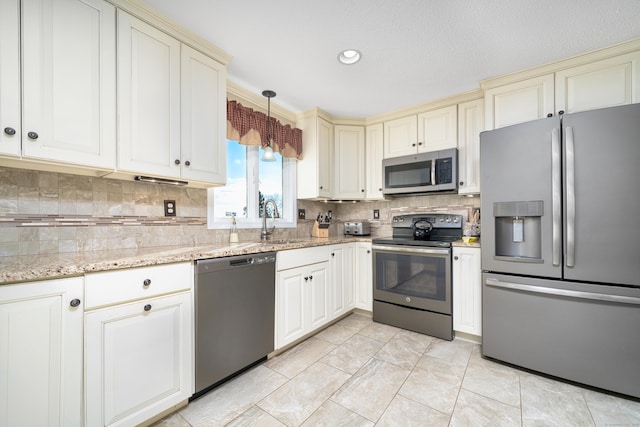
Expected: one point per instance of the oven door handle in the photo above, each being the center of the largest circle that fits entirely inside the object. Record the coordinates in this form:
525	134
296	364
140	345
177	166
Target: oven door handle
411	249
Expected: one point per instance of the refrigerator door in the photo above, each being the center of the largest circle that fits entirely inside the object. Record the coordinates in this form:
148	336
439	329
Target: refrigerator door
521	200
602	195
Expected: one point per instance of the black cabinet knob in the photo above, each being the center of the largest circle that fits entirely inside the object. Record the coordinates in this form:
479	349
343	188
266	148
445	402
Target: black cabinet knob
306	278
74	302
147	307
333	254
9	131
187	163
362	190
321	187
413	145
177	161
380	189
33	135
561	112
550	115
419	143
461	182
310	277
146	282
368	251
455	257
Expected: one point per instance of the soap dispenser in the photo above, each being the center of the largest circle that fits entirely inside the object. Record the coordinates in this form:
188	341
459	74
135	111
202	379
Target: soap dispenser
233	235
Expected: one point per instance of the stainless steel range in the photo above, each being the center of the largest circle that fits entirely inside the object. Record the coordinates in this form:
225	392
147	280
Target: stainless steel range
412	273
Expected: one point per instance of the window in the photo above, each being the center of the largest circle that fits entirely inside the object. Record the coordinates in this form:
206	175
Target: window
250	182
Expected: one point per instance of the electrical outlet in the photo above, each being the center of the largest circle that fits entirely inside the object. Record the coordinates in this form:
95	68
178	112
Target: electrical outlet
169	208
302	213
376	214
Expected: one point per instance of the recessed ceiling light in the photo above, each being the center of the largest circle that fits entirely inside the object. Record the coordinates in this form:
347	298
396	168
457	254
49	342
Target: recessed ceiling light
349	56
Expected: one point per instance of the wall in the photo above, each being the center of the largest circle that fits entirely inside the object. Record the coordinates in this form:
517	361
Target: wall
49	213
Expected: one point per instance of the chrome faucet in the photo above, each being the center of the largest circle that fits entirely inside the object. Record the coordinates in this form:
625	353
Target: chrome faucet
264	234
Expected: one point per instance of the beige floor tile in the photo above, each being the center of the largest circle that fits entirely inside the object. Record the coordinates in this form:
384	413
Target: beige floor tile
457	351
337	334
298	358
379	331
475	410
296	400
370	390
353	354
173	420
404	350
437	387
331	414
255	417
228	401
611	411
405	412
493	380
356	321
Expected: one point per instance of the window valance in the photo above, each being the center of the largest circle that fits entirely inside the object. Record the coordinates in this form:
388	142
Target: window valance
249	127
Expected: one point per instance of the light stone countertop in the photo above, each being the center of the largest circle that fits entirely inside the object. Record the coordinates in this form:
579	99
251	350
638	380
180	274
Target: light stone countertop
39	267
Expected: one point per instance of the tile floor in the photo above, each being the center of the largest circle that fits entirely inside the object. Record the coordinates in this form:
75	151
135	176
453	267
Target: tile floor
361	373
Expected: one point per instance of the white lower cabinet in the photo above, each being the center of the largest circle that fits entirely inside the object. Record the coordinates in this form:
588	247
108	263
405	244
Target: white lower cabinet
41	353
342	298
467	291
364	276
139	351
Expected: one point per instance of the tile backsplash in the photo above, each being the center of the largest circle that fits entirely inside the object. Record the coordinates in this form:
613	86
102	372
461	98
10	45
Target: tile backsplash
48	213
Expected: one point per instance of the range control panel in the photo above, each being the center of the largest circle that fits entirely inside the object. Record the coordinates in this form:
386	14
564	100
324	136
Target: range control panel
438	220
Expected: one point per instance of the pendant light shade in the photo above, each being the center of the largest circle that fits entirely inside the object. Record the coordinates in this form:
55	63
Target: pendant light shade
268	150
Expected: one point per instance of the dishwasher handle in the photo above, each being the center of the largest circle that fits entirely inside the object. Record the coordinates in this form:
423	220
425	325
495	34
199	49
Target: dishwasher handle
241	262
210	265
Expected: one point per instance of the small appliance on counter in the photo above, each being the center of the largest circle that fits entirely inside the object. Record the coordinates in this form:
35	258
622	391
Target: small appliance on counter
358	228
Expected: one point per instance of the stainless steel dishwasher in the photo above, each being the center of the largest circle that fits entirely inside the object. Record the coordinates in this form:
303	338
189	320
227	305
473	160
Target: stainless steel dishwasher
234	315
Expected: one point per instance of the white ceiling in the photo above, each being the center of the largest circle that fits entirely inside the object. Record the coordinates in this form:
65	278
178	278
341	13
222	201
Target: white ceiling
413	51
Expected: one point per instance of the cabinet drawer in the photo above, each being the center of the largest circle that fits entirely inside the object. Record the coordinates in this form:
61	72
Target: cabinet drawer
298	257
113	287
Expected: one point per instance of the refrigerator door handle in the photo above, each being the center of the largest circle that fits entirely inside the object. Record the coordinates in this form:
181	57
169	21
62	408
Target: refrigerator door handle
556	201
571	199
562	292
433	171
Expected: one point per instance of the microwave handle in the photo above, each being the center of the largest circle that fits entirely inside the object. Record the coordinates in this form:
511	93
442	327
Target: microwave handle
433	172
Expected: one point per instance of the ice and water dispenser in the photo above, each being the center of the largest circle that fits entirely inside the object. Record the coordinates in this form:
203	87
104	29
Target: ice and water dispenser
518	230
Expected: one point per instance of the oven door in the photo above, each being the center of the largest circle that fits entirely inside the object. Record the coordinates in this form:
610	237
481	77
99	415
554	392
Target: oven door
414	277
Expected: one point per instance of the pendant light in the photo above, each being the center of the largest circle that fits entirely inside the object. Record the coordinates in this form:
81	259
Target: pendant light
268	151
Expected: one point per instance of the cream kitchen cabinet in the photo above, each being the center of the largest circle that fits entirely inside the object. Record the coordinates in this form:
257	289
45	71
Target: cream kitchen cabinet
171	105
467	291
41	356
349	161
374	153
341	287
138	343
302	293
429	131
568	89
364	276
61	110
470	124
315	169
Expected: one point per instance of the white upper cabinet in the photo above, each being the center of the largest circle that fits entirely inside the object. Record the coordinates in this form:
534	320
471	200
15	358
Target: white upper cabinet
315	169
10	127
349	162
68	82
148	99
438	129
606	83
203	117
470	124
374	153
519	102
401	137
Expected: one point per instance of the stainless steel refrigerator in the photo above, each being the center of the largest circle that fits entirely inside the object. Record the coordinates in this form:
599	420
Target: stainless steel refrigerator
560	201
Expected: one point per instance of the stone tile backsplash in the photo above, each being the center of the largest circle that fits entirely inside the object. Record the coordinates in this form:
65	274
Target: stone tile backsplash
48	213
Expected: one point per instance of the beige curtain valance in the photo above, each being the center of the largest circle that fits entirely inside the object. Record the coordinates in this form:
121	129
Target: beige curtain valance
249	127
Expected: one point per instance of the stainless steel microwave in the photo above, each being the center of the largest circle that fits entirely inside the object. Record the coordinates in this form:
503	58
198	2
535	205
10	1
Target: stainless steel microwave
421	173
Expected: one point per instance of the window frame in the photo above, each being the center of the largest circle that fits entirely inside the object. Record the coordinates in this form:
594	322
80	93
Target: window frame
288	217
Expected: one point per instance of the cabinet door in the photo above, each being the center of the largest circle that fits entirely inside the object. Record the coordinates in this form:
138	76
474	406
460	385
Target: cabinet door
139	359
325	158
401	137
341	298
203	117
437	129
364	277
607	83
291	308
349	162
69	82
467	291
519	102
10	128
41	353
317	288
148	99
470	124
374	152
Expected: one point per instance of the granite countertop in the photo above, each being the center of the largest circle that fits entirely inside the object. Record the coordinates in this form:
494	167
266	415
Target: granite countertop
39	267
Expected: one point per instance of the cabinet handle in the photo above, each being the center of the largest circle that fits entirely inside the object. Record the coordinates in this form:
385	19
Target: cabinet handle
177	161
146	282
413	145
321	187
333	254
147	307
368	251
455	257
419	143
461	182
306	278
550	115
10	131
380	189
310	277
33	135
74	302
362	190
561	112
187	163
